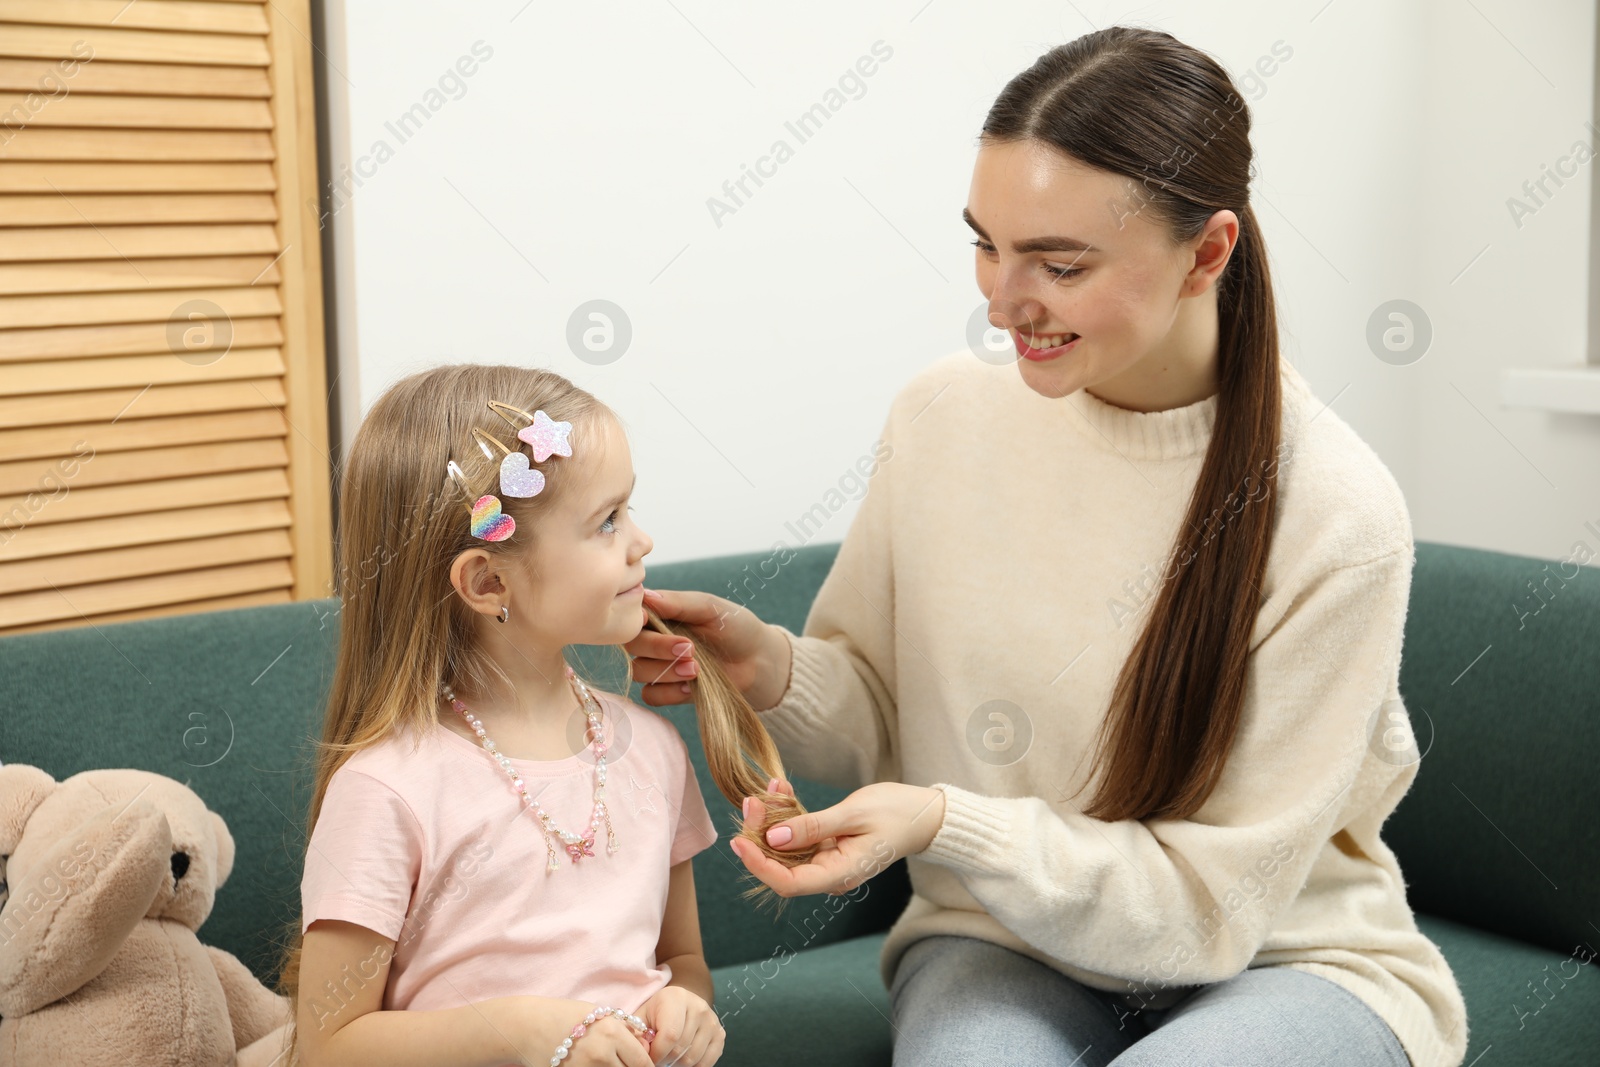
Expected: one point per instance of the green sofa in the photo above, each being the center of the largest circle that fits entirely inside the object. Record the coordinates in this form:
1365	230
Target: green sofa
1498	837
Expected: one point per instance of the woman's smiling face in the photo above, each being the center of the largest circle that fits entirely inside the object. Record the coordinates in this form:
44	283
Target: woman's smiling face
1066	249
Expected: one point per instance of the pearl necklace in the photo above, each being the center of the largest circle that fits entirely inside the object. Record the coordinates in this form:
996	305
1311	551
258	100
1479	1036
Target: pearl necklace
577	846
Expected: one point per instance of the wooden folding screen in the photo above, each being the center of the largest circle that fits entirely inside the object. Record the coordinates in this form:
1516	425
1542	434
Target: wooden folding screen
163	402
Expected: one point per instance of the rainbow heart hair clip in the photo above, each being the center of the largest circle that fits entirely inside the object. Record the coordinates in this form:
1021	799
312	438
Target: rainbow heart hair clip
545	436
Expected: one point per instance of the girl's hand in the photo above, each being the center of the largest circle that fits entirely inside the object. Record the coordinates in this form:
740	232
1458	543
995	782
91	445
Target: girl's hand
859	836
608	1042
688	1032
754	654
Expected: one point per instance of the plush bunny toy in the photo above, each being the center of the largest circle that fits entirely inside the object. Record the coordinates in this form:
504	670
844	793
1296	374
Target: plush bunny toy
106	878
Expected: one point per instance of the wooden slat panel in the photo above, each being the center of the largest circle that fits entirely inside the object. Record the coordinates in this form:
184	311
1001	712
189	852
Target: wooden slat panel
299	228
119	339
176	169
66	538
141	433
126	275
136	242
137	46
25	176
89	601
73	310
65	376
144	79
46	475
136	498
145	402
150	146
56	210
123	275
144	112
246	600
141	15
85	568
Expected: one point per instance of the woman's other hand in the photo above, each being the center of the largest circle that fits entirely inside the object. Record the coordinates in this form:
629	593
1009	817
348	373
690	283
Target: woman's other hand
859	837
754	654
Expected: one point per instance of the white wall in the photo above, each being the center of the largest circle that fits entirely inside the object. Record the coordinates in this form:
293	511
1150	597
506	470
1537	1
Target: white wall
1503	97
578	158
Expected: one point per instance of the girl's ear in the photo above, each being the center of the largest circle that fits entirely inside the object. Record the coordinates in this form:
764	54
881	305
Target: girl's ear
474	575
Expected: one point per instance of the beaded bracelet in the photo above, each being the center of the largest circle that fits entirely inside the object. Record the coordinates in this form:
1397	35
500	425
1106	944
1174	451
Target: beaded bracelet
645	1033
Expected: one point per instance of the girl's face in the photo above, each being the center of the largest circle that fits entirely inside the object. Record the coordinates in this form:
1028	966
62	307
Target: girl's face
1065	249
585	580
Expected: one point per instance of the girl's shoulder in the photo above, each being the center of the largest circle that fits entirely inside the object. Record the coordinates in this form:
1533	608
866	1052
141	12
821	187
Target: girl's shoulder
393	760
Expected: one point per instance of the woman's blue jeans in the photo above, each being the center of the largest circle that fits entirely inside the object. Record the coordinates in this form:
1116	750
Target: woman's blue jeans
960	1000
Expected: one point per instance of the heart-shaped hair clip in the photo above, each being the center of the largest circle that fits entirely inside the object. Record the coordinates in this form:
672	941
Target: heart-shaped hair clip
517	478
489	521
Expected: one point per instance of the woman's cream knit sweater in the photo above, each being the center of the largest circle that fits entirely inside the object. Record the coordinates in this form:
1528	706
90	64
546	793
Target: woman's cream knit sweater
968	637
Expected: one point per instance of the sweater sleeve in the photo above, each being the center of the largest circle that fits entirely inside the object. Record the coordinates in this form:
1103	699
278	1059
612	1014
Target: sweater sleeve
1114	896
836	721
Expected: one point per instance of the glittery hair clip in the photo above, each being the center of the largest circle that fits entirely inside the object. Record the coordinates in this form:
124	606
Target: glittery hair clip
544	435
489	522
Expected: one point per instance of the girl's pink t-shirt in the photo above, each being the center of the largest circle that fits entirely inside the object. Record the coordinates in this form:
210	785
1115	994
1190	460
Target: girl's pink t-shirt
432	849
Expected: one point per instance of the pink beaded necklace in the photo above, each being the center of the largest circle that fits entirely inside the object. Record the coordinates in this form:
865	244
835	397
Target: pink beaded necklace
577	846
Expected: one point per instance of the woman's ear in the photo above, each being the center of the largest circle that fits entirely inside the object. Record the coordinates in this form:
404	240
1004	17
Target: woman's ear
476	579
1216	245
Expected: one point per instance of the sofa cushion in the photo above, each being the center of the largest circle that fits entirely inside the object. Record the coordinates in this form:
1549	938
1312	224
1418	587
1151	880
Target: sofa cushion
1500	674
824	1005
1529	1004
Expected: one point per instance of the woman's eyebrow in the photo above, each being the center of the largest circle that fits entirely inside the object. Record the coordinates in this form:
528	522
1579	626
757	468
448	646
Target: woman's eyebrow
1034	244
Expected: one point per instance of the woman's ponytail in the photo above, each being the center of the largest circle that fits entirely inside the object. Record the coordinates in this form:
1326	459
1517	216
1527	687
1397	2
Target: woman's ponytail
1141	104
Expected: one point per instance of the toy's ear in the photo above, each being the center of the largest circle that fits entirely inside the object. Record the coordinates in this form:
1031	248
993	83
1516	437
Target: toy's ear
22	789
219	829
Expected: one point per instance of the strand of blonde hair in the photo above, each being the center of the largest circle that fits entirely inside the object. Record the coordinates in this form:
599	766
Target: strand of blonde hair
739	752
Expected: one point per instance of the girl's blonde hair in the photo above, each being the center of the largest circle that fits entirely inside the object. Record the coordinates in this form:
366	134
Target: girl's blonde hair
404	633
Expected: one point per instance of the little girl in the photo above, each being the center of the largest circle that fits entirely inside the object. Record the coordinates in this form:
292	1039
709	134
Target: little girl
498	869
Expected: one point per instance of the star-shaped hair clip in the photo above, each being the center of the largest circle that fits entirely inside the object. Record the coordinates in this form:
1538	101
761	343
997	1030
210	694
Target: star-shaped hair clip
542	433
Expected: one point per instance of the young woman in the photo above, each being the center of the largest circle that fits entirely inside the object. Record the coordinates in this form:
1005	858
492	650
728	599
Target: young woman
1144	557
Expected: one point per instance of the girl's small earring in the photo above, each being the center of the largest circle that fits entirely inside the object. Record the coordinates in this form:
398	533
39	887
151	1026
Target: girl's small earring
505	614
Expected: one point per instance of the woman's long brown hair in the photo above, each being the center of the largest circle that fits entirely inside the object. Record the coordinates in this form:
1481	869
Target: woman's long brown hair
1140	103
404	633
